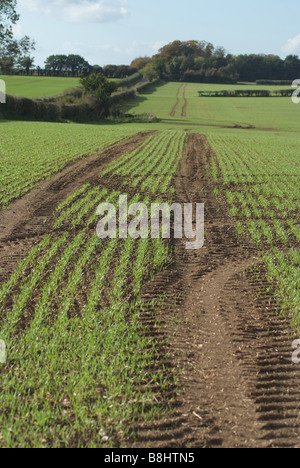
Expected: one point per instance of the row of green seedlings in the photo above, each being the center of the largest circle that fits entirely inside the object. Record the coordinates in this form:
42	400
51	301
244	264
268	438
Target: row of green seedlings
131	162
79	377
255	202
141	152
283	190
24	163
265	234
159	164
282	271
255	166
270	191
264	158
151	166
159	179
258	207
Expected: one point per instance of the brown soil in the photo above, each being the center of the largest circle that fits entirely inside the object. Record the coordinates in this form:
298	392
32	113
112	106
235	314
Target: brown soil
29	218
183	112
238	385
173	111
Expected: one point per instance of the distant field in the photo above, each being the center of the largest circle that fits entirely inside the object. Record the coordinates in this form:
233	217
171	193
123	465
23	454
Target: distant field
37	86
181	102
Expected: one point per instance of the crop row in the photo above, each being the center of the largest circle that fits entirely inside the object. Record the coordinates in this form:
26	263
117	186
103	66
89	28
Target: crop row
260	179
79	356
152	166
75	338
32	151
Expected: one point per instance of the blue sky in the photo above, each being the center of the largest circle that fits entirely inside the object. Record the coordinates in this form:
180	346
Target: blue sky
117	31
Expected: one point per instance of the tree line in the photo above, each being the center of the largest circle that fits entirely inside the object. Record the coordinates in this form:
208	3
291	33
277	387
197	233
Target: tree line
202	62
61	66
75	65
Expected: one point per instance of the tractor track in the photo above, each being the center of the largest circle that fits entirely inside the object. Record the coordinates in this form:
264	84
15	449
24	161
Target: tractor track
173	111
231	348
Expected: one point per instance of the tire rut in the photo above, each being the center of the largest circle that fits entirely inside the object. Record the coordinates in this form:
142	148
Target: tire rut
174	109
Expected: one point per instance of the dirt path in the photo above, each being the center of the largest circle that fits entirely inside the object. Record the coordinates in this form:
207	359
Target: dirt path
30	217
184	108
173	111
239	387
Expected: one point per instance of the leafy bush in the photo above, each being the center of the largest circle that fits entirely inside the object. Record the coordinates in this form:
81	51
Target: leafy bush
101	89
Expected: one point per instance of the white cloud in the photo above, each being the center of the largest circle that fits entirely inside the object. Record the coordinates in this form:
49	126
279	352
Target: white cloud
292	46
79	11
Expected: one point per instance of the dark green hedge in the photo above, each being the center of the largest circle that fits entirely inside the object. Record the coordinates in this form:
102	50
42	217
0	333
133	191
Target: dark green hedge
130	81
24	108
247	93
18	108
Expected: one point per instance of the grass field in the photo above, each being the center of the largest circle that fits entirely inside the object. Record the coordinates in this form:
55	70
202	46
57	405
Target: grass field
169	102
37	86
138	342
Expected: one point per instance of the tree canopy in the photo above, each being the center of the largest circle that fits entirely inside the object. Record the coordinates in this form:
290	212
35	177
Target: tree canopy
12	52
100	88
200	61
60	65
8	17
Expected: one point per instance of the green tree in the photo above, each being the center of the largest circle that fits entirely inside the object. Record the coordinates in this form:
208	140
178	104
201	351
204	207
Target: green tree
26	64
11	50
292	67
56	64
8	17
100	88
150	72
175	67
77	65
140	63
